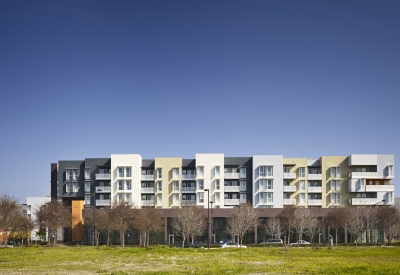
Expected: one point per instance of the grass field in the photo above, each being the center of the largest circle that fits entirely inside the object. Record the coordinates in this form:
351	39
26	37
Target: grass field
166	260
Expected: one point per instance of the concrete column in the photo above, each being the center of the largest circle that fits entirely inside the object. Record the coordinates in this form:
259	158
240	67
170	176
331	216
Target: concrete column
345	233
255	233
165	230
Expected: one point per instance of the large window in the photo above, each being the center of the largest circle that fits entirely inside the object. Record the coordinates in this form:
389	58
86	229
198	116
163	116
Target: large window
217	171
175	173
302	184
242	173
175	198
120	185
87	173
302	172
72	187
335	197
335	185
390	171
270	197
200	184
217	198
261	171
72	174
120	172
270	171
159	199
390	196
128	197
128	172
336	172
200	197
286	169
217	185
159	186
200	171
270	184
243	198
87	186
159	173
87	199
302	198
262	184
176	185
128	185
243	185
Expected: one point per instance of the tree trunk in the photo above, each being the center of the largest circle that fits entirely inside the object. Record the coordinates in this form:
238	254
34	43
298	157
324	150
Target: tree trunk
108	238
122	238
336	235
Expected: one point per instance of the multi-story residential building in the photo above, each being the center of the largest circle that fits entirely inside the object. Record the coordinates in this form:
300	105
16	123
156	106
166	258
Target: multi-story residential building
264	181
33	204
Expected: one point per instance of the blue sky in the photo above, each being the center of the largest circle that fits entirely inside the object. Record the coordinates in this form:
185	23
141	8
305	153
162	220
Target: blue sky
175	78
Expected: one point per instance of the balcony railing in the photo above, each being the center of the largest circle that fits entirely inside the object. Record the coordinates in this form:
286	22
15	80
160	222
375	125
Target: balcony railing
232	201
147	203
188	176
188	201
314	176
363	175
363	201
314	189
371	188
103	189
289	188
147	189
231	175
103	176
146	177
103	202
289	175
289	201
232	188
314	202
189	189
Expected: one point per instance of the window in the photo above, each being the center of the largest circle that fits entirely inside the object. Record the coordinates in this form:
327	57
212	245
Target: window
243	185
270	184
262	198
72	174
128	185
333	197
200	184
217	197
302	184
159	199
362	184
217	171
200	171
120	185
128	197
72	187
261	171
243	198
302	171
87	186
176	185
175	198
286	169
200	197
390	171
127	172
338	185
263	185
270	171
120	197
120	172
286	183
217	185
159	186
390	196
159	173
336	172
87	199
303	198
243	173
270	197
335	185
175	173
87	173
338	197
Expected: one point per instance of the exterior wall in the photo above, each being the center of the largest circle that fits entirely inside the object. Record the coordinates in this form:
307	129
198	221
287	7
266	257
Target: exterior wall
277	163
62	179
167	165
95	164
33	204
209	162
295	164
77	221
327	163
129	160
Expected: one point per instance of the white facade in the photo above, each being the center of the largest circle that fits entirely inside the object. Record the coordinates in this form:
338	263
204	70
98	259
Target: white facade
207	166
125	178
267	181
33	204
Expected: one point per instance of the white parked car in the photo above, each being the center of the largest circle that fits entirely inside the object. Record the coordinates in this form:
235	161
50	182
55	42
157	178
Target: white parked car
299	242
234	245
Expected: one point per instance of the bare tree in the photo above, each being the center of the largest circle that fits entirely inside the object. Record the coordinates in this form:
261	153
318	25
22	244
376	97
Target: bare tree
336	219
313	227
243	219
9	211
22	227
371	219
302	218
102	223
287	217
189	221
270	226
389	217
123	216
54	215
355	222
148	221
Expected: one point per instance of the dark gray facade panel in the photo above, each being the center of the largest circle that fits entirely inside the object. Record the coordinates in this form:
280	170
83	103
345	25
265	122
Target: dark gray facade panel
63	165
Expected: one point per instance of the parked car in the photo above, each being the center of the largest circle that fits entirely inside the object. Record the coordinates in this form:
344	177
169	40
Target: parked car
273	241
232	245
299	242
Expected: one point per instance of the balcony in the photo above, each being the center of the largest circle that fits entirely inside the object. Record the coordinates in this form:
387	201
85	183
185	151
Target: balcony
289	188
188	189
147	190
103	176
147	177
231	175
289	201
147	203
314	189
103	202
186	202
378	188
232	201
314	177
289	176
188	176
363	201
314	202
232	188
363	175
103	189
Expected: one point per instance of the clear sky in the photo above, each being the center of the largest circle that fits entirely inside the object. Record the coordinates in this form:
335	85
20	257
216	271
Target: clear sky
175	78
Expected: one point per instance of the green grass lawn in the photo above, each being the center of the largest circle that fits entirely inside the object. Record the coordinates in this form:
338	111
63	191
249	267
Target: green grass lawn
166	260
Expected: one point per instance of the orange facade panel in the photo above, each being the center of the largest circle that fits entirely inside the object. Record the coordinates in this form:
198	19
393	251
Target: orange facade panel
77	221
